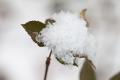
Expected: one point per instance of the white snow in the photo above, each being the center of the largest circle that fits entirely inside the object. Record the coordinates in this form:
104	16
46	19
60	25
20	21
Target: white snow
68	36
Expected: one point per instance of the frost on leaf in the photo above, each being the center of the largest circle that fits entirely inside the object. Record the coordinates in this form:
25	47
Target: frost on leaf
116	77
33	28
88	71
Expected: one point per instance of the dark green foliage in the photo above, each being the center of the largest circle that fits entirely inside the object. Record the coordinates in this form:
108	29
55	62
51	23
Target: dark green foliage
87	71
33	28
116	77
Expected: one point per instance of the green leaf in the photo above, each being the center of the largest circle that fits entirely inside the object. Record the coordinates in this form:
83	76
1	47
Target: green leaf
116	77
88	71
33	28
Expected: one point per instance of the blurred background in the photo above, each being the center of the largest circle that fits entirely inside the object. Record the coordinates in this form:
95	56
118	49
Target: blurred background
22	59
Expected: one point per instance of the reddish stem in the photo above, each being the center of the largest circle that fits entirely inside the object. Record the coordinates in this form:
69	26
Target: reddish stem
47	65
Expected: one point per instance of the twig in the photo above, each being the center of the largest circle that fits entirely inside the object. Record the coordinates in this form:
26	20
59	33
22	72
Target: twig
47	65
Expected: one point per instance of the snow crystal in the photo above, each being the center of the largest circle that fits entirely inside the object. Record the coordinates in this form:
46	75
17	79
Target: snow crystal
68	36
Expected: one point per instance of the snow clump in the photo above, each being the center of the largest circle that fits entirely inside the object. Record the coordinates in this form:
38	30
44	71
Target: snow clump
68	37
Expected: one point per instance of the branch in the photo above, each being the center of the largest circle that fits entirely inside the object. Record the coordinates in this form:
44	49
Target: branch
47	65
